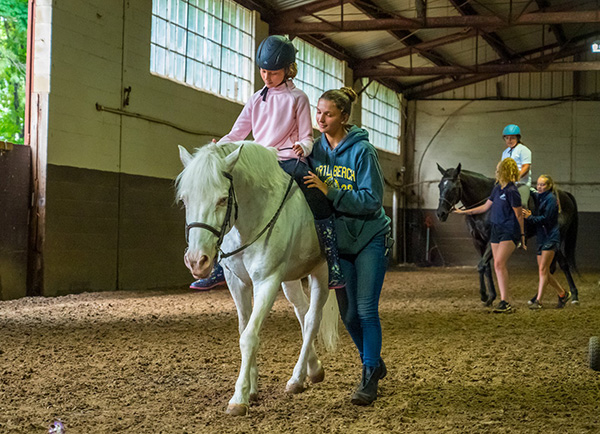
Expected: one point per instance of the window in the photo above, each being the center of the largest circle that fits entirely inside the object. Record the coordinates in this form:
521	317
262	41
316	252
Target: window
317	72
381	116
207	44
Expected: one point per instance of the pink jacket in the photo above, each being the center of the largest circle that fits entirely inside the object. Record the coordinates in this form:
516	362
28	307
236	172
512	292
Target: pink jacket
280	121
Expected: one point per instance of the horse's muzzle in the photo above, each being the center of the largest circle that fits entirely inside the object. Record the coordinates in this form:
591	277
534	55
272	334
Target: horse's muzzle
200	267
442	215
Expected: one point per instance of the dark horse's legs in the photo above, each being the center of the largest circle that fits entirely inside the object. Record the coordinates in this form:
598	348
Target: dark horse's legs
564	266
488	295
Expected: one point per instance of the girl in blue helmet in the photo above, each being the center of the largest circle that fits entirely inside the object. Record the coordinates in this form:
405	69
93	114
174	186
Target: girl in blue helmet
522	156
278	116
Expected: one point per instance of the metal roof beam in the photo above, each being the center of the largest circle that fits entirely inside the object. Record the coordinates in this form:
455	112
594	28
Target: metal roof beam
505	68
482	77
557	29
417	48
491	38
475	21
291	15
405	36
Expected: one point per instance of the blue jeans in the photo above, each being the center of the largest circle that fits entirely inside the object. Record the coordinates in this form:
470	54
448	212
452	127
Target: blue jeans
359	300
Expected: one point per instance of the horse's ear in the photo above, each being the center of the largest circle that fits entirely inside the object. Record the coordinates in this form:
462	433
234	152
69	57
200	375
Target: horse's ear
458	169
232	158
441	169
184	156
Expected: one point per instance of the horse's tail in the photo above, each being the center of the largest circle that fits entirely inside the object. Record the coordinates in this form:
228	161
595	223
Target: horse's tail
328	332
570	241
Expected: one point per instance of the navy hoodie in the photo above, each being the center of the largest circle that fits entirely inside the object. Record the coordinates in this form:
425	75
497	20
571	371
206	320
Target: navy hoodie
355	180
546	218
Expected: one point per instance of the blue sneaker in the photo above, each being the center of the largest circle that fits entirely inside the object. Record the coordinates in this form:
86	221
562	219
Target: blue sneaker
215	279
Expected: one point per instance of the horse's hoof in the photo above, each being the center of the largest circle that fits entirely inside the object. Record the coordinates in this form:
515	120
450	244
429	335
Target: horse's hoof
318	377
237	409
253	397
295	388
575	301
489	302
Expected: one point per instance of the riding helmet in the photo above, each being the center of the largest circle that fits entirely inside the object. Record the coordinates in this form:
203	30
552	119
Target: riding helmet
511	130
275	53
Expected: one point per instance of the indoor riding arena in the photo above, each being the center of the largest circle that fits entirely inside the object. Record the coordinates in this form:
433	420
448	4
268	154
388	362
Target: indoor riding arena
100	331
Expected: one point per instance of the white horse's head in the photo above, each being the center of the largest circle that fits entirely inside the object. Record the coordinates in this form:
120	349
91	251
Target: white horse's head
204	188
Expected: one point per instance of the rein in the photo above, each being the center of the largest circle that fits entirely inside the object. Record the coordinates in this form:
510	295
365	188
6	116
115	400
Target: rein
232	202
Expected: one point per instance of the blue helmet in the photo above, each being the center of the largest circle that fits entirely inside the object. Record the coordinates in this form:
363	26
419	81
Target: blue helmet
275	53
511	130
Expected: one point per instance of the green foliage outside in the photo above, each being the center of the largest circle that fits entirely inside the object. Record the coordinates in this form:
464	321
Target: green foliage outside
13	56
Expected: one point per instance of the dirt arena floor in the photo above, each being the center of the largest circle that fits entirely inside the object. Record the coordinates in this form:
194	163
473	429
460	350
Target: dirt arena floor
166	362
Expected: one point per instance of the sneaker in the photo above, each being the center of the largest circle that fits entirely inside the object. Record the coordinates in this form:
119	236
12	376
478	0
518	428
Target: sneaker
216	278
562	301
535	305
533	300
503	307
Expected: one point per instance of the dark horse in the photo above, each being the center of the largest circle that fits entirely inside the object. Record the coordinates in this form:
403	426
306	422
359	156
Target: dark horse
473	189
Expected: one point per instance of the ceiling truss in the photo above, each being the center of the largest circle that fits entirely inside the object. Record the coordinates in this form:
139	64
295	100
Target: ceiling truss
468	24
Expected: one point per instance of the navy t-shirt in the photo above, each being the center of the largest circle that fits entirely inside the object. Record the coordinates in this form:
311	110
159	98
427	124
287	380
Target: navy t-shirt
504	200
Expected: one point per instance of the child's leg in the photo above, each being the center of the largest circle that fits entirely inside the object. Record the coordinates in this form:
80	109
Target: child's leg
324	222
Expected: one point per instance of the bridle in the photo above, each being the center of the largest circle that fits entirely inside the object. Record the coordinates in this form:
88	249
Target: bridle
460	193
232	205
451	205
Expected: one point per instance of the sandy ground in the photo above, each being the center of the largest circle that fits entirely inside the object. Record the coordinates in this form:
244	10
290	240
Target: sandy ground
167	361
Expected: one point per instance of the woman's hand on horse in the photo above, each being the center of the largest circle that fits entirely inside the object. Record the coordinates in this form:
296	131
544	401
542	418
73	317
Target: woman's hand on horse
458	211
298	150
313	181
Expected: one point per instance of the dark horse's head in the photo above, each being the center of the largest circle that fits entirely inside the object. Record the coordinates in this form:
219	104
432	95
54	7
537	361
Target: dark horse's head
450	191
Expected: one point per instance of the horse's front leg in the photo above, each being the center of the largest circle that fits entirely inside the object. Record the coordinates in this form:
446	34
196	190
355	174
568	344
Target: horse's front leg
265	292
242	297
308	357
486	265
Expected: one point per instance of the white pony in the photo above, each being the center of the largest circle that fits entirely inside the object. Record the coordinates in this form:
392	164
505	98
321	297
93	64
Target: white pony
237	193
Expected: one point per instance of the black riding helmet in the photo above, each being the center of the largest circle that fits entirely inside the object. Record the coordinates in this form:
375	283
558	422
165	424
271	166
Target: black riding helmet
275	53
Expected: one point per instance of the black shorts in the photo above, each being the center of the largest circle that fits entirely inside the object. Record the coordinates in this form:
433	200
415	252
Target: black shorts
547	245
500	233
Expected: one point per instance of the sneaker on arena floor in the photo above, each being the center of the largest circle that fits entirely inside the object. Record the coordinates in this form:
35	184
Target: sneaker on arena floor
533	300
562	301
504	307
216	278
535	305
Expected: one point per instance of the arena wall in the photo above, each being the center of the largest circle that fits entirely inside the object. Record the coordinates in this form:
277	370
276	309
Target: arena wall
111	218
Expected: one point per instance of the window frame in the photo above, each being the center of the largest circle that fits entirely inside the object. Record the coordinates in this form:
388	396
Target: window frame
377	111
178	29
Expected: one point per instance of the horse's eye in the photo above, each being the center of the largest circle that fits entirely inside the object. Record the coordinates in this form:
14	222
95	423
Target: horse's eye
222	201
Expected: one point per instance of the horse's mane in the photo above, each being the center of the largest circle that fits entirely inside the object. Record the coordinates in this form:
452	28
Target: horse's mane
477	175
204	173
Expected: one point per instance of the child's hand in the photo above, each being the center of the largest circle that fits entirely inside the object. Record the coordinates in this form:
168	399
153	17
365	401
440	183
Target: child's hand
313	181
298	150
